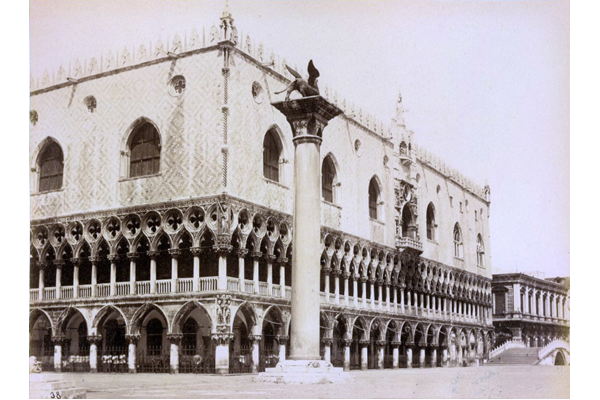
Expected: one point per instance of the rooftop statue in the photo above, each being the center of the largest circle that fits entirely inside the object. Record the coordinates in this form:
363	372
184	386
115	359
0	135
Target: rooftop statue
305	88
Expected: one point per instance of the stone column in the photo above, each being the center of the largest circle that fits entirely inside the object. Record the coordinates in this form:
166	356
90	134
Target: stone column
336	288
255	255
270	259
327	342
175	253
242	253
57	341
347	343
255	339
307	118
282	342
402	300
409	355
355	289
132	350
326	272
363	281
395	354
380	289
416	301
380	353
58	264
346	275
421	357
196	253
445	361
222	250
132	267
517	297
75	262
94	261
41	267
387	296
153	255
113	274
222	352
282	262
434	358
364	355
174	340
372	283
94	341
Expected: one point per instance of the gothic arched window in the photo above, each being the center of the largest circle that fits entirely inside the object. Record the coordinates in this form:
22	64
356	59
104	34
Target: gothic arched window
50	163
328	177
154	330
271	155
431	225
458	243
145	151
373	198
480	251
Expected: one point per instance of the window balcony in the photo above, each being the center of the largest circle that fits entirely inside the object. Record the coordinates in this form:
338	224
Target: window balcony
407	243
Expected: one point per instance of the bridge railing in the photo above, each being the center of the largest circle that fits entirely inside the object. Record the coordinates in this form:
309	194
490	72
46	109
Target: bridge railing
511	344
553	345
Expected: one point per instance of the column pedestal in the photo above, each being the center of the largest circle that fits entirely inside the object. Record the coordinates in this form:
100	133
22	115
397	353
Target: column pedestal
395	355
175	340
131	359
364	355
222	352
94	341
347	343
409	357
255	352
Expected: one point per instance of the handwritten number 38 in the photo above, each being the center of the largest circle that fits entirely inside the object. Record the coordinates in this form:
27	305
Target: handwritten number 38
55	397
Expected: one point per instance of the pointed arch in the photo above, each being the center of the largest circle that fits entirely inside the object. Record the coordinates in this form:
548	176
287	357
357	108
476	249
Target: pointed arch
330	179
181	315
142	312
141	149
47	166
431	222
106	311
35	314
374	194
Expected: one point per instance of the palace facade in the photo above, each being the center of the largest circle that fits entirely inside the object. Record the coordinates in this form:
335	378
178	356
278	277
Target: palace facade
161	222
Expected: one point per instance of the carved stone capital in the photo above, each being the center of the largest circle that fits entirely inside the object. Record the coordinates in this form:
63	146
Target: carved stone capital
346	274
270	258
132	256
242	253
396	343
363	279
94	260
58	340
336	272
222	339
133	338
255	338
364	342
42	264
281	339
112	257
327	341
380	343
174	338
58	263
76	261
95	339
153	254
282	261
326	270
256	254
175	253
195	251
346	342
223	249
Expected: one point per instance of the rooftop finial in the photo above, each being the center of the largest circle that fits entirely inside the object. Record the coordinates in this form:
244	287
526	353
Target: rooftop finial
226	13
228	31
399	110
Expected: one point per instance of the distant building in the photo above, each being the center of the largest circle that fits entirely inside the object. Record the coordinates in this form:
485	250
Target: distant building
530	308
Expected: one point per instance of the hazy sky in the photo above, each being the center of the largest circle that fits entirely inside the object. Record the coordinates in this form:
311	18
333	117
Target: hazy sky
485	84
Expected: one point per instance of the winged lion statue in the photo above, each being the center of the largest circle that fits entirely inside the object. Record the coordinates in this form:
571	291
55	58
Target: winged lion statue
306	88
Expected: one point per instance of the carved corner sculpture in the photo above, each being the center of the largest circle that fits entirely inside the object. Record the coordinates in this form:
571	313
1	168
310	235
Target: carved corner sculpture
305	88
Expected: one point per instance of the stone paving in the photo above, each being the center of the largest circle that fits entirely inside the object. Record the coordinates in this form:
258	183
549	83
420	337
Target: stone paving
472	382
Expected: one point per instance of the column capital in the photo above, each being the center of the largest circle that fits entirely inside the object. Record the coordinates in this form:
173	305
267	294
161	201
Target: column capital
133	338
58	263
42	264
336	272
153	254
282	339
58	340
380	282
396	343
222	249
174	338
132	256
346	342
364	342
242	252
270	258
195	251
363	279
255	338
346	274
76	261
282	260
94	339
94	260
327	341
221	339
380	343
256	254
326	270
174	253
112	257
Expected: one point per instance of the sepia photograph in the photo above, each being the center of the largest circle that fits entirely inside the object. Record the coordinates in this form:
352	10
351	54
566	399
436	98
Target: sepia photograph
299	199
